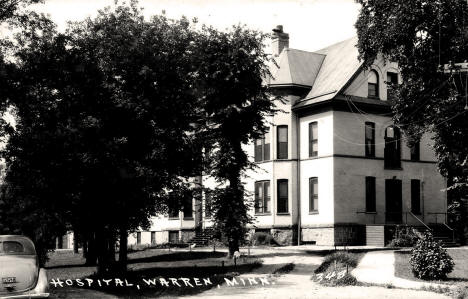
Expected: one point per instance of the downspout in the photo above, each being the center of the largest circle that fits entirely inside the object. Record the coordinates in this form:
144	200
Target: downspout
298	178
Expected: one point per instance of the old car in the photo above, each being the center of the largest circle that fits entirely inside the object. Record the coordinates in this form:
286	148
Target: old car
20	274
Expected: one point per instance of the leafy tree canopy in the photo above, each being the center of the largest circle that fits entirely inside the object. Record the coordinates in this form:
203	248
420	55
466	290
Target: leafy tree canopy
420	36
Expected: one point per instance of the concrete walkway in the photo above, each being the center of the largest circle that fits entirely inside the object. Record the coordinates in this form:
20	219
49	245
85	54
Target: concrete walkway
298	284
378	267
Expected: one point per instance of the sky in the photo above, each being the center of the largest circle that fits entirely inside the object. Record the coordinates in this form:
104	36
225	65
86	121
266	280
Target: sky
311	24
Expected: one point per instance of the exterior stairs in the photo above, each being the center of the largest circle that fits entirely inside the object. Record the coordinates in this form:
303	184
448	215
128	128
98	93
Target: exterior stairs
440	232
202	237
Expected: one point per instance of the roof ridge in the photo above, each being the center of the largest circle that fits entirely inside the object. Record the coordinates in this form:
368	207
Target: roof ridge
309	52
335	44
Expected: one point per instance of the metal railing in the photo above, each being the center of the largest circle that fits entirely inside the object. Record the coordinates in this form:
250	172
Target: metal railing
444	223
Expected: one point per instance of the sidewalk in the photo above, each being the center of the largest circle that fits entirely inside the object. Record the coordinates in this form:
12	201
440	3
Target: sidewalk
378	267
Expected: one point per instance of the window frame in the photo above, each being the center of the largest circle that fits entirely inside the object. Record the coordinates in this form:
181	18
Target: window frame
371	140
279	154
313	139
415	152
392	149
188	209
416	192
375	85
371	198
262	152
265	197
153	237
284	200
313	196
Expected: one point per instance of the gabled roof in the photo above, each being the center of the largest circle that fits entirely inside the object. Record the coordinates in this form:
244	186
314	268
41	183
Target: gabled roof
326	72
296	67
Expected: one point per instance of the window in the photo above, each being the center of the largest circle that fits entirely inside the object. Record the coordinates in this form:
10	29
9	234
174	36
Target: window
392	151
188	208
373	85
153	238
370	194
414	151
262	197
415	196
392	79
313	195
313	139
282	196
370	139
173	237
138	238
282	147
262	148
173	207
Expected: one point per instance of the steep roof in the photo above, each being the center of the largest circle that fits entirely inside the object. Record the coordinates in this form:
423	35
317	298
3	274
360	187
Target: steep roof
326	72
296	67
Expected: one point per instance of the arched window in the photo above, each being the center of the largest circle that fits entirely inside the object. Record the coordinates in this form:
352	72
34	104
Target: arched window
392	151
373	85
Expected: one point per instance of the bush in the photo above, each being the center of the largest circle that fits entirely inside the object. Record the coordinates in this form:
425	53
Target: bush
429	260
261	238
403	237
340	257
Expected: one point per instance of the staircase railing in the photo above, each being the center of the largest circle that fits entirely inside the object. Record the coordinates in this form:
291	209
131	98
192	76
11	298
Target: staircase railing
444	223
420	221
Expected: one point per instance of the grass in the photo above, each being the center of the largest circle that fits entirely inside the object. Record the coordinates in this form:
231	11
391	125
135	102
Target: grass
152	264
459	274
336	268
458	277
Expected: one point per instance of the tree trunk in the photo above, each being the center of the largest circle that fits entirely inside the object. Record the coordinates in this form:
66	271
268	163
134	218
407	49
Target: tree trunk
123	243
75	243
91	254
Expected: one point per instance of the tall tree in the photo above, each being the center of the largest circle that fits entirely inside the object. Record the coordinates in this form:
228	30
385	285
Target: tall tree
235	102
421	36
104	114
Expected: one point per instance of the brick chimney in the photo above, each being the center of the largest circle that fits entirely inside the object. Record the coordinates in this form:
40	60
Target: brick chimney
279	41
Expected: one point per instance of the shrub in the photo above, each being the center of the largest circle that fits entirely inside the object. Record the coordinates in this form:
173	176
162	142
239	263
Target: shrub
403	237
340	257
429	260
261	238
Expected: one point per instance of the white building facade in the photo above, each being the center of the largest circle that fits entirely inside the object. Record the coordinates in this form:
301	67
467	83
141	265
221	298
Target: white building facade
333	169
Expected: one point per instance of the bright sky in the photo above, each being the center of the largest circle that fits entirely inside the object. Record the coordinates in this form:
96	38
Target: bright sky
311	24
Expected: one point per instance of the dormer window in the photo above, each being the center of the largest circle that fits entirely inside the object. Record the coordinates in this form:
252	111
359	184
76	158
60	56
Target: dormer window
373	85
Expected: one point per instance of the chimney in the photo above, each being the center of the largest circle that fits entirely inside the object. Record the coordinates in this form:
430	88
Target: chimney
279	41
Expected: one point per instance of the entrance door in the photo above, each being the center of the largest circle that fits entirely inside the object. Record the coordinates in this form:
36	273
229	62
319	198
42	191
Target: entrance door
393	204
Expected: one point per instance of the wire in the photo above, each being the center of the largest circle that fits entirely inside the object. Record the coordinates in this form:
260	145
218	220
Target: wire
402	138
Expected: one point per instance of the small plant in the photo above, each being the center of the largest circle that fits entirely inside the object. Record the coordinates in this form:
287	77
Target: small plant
403	237
429	260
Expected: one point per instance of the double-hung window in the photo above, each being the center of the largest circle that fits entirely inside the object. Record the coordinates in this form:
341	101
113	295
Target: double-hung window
282	203
262	148
415	196
414	151
373	85
262	197
313	195
282	144
369	139
370	194
313	139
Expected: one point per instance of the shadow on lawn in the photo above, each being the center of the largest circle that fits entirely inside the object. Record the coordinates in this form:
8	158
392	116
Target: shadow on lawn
177	256
215	274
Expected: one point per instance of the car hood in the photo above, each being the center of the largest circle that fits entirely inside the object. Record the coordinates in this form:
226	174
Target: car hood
23	269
